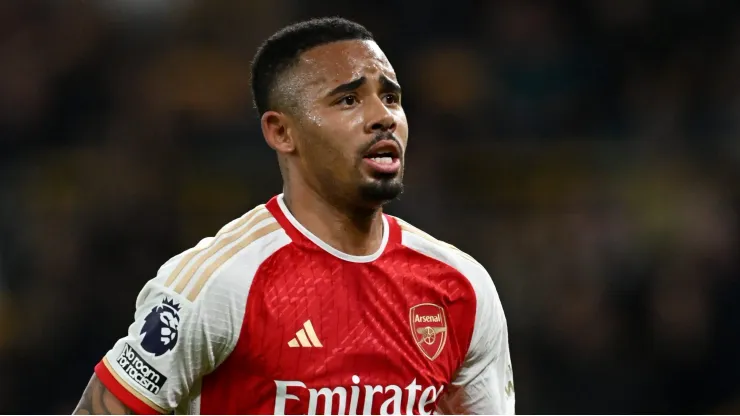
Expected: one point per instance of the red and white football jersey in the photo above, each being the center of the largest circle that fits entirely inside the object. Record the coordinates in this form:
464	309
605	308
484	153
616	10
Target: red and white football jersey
265	318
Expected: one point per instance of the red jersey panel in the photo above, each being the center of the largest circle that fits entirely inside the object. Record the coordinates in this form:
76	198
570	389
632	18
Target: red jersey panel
268	319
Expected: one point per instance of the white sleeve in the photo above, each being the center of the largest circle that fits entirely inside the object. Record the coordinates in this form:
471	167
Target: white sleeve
171	344
485	383
189	317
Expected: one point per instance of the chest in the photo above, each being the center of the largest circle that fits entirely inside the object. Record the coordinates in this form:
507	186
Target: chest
390	332
403	320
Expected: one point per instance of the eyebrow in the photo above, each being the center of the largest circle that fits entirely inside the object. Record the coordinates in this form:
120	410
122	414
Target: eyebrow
387	85
348	87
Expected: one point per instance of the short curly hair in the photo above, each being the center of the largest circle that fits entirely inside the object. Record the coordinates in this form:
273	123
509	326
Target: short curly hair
282	50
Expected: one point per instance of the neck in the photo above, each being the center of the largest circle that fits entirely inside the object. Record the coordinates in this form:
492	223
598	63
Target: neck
357	232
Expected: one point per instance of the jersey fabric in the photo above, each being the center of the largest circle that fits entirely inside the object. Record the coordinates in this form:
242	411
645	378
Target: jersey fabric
265	318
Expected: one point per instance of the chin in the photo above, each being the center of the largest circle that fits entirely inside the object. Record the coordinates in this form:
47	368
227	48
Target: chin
380	191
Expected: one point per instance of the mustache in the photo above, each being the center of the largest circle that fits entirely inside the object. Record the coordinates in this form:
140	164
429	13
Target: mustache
379	138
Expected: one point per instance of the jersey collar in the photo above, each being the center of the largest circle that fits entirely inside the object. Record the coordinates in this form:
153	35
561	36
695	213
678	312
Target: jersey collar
299	233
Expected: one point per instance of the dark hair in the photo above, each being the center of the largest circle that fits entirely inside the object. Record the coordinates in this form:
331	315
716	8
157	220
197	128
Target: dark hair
282	50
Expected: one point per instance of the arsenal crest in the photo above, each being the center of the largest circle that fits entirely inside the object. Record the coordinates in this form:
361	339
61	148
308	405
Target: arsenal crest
429	328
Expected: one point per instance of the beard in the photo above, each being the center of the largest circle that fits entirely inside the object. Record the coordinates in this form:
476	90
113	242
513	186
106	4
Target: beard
382	189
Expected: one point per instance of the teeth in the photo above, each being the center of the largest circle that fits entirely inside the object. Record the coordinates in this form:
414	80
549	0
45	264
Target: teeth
386	160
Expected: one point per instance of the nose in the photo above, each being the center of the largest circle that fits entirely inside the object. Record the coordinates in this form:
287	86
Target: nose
380	118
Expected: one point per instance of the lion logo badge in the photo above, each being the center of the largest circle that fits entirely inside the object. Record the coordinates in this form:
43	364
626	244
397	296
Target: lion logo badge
160	328
429	328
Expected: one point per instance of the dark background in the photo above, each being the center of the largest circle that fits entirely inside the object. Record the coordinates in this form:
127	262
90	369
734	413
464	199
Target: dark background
586	152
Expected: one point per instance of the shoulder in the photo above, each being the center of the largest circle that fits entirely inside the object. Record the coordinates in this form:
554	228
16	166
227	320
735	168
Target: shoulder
422	242
226	262
418	240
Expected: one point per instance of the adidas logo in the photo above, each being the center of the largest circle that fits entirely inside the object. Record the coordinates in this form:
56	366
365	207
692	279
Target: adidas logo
305	337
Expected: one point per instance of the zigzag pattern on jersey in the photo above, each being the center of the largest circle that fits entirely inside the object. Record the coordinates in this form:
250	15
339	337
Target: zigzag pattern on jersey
229	241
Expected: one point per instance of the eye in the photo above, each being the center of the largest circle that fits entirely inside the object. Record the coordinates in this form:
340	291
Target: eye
348	100
391	99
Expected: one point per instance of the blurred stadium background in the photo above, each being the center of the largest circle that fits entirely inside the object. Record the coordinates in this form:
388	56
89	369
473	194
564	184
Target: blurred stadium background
587	152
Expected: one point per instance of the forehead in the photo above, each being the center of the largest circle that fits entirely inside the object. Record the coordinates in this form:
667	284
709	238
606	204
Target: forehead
339	62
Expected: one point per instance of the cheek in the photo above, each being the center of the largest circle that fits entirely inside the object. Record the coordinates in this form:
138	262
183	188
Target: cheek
402	129
330	164
334	137
331	142
354	121
325	149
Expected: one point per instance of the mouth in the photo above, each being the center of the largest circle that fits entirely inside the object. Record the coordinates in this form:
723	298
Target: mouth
384	157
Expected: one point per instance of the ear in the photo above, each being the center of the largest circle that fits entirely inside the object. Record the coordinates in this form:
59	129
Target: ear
277	130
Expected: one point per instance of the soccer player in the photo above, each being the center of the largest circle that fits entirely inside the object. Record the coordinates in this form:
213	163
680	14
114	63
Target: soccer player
317	302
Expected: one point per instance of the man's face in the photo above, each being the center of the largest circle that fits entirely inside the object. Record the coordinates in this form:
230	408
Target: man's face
351	129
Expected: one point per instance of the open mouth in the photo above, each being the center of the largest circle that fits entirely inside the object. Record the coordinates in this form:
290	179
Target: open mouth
384	157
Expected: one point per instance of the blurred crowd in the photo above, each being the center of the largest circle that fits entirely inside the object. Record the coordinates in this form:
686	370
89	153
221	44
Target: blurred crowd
586	152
